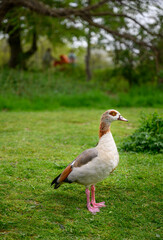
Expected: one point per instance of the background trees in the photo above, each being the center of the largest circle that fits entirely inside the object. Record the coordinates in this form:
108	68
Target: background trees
133	30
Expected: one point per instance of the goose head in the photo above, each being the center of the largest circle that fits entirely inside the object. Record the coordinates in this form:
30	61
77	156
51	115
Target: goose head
112	115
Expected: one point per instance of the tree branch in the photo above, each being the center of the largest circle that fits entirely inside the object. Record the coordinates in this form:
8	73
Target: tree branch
125	16
121	35
41	8
33	48
84	13
5	7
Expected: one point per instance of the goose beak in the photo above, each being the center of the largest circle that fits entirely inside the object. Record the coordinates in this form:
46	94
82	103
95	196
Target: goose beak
122	119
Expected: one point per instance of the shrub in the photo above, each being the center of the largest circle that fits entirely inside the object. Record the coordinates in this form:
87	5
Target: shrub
148	138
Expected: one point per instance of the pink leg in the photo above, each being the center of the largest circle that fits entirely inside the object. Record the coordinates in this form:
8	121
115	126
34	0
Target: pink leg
90	208
93	201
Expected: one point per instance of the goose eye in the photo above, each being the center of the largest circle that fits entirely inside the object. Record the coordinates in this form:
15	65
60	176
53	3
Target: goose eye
113	113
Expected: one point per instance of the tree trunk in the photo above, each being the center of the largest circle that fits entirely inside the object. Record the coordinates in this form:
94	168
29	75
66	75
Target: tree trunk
88	57
18	58
158	63
15	46
88	54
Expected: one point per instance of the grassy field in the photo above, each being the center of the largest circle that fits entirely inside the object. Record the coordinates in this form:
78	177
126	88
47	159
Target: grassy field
36	146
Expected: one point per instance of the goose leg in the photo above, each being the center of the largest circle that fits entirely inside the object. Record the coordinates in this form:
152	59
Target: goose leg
93	201
90	208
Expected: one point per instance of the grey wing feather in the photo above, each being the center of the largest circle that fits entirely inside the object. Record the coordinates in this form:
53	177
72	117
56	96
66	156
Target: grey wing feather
85	157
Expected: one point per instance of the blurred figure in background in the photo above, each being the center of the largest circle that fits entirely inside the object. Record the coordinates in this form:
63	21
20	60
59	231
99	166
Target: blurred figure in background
63	60
47	58
72	58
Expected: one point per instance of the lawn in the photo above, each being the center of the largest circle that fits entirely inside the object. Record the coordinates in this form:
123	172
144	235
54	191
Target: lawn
36	146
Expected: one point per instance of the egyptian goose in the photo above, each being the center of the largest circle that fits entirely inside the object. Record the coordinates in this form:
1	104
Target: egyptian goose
94	164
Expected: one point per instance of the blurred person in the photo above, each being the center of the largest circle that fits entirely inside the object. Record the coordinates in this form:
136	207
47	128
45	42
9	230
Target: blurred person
47	58
72	58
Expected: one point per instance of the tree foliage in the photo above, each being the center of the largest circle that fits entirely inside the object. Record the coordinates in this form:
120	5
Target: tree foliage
121	24
97	14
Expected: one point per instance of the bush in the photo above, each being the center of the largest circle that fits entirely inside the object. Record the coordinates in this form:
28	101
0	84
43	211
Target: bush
148	138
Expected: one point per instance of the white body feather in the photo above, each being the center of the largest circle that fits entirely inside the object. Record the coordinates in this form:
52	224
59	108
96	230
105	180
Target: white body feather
101	166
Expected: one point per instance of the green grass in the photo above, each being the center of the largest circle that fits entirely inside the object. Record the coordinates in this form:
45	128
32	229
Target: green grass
36	146
50	90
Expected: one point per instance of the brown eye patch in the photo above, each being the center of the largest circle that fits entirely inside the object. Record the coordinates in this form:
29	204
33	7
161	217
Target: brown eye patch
113	113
